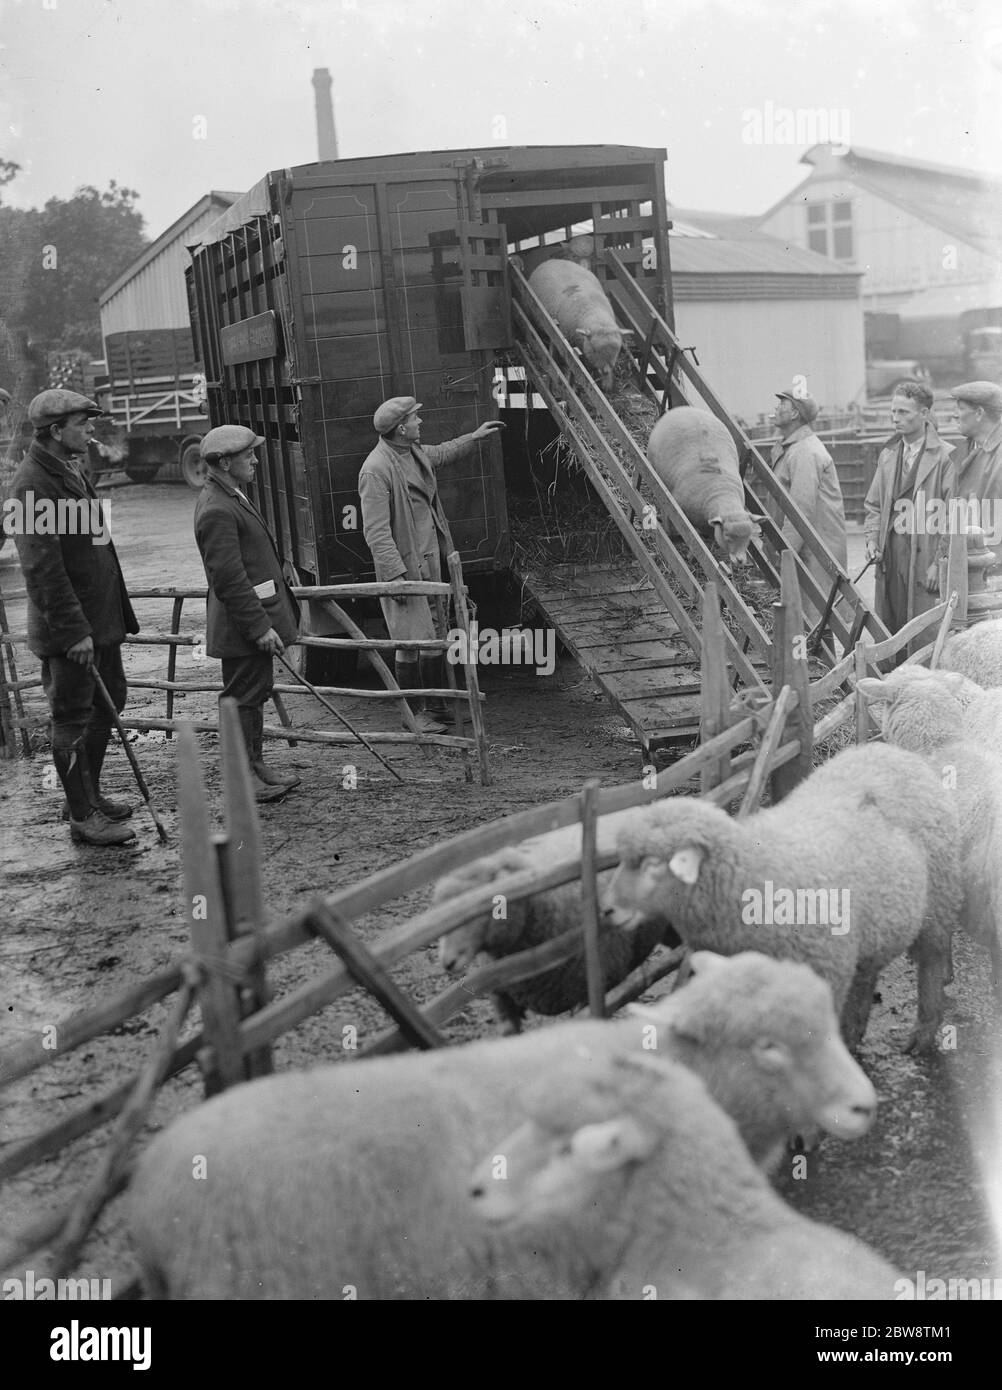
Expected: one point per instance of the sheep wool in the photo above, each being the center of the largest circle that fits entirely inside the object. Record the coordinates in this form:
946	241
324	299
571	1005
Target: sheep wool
976	652
858	864
351	1179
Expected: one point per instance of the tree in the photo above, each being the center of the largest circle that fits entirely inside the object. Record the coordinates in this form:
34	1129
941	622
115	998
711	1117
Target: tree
8	170
71	250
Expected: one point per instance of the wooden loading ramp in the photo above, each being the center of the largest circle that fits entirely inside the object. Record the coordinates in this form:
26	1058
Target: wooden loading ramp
612	621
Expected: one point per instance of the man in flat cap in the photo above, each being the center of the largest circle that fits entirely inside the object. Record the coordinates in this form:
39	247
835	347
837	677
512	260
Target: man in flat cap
405	528
913	469
979	472
251	615
78	608
806	469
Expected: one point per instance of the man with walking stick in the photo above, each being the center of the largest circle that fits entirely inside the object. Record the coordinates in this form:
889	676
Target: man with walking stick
251	614
78	608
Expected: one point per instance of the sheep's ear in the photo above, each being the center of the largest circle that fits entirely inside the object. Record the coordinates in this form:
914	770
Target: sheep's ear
718	532
582	333
685	863
872	689
708	962
601	1148
716	521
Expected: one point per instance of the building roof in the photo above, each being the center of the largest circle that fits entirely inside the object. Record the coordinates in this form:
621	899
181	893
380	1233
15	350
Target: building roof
217	199
716	243
963	203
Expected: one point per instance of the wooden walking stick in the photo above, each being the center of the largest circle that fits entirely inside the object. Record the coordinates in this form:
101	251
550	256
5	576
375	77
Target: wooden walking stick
102	690
327	705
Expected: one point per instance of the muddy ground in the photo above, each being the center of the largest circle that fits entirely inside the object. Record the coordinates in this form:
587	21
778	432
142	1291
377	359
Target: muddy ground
80	925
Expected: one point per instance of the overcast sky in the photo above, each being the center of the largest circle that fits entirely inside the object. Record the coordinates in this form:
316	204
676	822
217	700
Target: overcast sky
174	97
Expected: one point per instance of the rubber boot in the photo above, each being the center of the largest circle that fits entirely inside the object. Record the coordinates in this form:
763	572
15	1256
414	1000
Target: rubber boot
95	746
248	725
258	765
433	677
408	674
88	825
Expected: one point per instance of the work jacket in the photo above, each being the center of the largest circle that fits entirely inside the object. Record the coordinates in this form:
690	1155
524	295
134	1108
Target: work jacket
238	552
934	478
979	472
74	581
388	522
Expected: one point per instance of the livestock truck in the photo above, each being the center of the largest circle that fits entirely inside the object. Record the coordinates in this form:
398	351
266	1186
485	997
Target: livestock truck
329	287
155	396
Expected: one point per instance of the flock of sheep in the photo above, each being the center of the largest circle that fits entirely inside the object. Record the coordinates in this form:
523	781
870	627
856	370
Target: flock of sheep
624	1158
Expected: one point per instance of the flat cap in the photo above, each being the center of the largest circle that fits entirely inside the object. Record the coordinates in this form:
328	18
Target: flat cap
806	406
984	393
228	439
393	412
56	404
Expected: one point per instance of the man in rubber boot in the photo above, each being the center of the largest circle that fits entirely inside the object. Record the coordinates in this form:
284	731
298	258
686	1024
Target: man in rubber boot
405	527
251	614
78	608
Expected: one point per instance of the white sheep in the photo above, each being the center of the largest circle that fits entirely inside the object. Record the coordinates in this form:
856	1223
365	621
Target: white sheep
926	717
856	865
976	652
355	1174
574	297
694	456
960	708
521	925
644	1178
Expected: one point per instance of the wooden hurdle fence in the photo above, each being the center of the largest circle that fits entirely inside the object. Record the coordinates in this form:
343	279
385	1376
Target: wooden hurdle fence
744	750
16	723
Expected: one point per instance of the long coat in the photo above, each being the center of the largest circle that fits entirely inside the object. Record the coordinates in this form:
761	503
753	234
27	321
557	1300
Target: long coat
905	573
74	582
390	530
979	475
238	552
806	469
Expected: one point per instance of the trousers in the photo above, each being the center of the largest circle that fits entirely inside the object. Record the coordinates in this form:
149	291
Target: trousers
76	708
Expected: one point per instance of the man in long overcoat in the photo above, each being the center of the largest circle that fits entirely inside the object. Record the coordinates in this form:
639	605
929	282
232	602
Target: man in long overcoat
251	615
913	470
405	528
78	608
979	472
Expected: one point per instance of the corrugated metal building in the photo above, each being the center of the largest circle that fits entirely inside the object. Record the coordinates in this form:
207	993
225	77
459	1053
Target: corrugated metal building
760	312
151	292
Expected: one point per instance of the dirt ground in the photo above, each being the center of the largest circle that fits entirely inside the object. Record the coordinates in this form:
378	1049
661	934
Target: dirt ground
80	925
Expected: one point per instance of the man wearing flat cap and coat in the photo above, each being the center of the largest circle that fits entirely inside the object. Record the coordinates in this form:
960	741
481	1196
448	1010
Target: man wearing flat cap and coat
78	609
406	529
250	614
979	472
806	469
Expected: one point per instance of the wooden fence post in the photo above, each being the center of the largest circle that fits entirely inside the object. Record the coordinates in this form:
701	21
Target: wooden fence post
205	911
789	667
175	628
715	692
470	667
589	899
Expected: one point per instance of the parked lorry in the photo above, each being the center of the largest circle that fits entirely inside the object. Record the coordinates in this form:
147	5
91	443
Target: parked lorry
155	394
329	287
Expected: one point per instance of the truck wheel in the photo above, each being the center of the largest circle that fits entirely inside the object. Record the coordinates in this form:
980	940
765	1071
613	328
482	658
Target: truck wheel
193	468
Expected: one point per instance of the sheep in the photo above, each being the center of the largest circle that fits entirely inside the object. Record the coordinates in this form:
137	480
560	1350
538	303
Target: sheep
641	1176
869	831
933	706
574	297
926	717
356	1173
694	456
531	922
976	652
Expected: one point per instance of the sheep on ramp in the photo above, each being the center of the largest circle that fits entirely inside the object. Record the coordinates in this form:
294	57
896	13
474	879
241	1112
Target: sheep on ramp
354	1175
858	864
518	926
574	297
694	456
645	1178
926	716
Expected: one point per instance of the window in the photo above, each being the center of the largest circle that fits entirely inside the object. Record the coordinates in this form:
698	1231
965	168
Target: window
829	229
